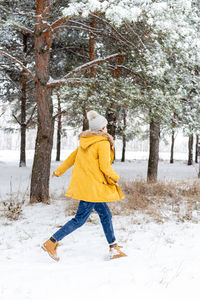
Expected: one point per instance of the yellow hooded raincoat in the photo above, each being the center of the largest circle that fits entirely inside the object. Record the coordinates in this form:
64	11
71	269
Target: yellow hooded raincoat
93	179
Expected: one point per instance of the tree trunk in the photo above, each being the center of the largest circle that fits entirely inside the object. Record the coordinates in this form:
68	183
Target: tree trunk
112	119
44	141
22	162
92	70
85	120
197	149
153	151
111	114
198	154
190	150
58	148
172	148
124	137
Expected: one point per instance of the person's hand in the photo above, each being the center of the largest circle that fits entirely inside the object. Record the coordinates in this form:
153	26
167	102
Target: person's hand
53	175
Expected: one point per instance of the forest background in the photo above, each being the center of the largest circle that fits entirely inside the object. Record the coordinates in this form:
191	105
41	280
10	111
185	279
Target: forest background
136	62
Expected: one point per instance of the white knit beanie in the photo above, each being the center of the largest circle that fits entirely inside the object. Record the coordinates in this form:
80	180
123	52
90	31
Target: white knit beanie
96	121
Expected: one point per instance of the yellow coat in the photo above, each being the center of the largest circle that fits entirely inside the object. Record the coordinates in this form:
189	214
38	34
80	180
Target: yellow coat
93	179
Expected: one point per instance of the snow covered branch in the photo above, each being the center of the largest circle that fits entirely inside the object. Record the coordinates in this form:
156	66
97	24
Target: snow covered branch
19	63
79	26
135	33
65	79
22	28
114	31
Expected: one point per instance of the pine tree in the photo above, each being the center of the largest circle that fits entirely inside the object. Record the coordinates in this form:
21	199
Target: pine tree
43	31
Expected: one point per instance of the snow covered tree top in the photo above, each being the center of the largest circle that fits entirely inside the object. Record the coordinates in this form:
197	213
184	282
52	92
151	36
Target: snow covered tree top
118	11
115	11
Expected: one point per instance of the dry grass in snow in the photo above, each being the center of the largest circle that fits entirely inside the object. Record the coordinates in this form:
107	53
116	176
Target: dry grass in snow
160	201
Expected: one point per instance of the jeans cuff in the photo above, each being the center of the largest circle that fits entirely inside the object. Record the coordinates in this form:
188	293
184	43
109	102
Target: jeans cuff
52	239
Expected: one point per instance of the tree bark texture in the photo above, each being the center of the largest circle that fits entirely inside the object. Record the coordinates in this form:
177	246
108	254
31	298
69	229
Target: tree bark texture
153	151
190	150
197	149
111	114
58	148
85	120
172	148
124	137
44	141
92	70
22	162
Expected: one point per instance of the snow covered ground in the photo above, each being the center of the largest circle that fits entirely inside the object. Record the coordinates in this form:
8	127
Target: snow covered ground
163	260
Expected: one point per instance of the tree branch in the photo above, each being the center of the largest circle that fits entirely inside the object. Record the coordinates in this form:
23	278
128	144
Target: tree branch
19	63
58	23
23	29
60	113
81	68
62	81
139	38
31	117
76	27
47	8
118	36
17	120
84	25
64	19
19	27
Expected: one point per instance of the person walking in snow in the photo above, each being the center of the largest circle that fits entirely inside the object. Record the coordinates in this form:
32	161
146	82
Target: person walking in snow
93	183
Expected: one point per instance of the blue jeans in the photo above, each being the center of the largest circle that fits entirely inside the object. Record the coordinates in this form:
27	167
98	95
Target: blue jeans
82	214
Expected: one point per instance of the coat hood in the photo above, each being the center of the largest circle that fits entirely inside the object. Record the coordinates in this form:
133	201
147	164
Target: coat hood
88	138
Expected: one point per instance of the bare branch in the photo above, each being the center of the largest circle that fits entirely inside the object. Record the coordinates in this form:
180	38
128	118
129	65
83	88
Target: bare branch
31	117
59	22
117	35
76	27
131	72
84	25
60	113
19	63
139	38
17	120
81	68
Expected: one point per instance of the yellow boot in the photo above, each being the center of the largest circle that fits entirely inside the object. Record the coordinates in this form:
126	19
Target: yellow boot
51	247
115	251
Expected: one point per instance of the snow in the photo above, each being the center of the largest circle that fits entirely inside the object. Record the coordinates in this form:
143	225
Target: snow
162	262
116	13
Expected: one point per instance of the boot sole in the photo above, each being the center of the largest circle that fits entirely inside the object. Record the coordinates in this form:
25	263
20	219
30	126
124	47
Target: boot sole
51	255
118	256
